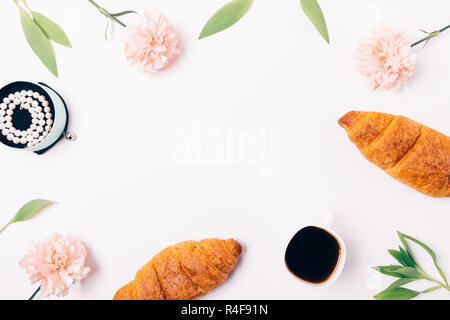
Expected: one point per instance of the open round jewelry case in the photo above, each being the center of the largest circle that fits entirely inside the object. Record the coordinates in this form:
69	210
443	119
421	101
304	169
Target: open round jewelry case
33	116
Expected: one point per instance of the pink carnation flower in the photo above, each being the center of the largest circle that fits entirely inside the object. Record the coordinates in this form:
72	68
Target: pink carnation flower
386	59
57	263
151	43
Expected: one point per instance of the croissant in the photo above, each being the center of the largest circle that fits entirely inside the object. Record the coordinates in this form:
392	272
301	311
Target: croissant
183	271
406	150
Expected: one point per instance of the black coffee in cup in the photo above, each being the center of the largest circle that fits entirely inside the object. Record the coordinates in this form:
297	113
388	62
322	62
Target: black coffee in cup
313	255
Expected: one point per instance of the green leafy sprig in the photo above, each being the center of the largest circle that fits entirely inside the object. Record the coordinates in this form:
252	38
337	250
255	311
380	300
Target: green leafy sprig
39	32
234	10
408	271
28	210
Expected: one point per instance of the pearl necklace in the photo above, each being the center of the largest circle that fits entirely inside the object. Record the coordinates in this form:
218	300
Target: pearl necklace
41	117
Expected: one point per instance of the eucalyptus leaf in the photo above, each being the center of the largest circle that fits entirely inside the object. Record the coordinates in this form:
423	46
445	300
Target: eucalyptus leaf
28	210
225	17
51	29
396	294
315	15
38	42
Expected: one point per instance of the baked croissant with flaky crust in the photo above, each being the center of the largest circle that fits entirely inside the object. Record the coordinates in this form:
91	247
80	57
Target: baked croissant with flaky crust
183	271
408	151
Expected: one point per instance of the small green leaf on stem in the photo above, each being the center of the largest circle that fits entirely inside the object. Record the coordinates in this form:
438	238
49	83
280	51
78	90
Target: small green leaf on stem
51	29
409	272
390	270
225	17
28	210
431	289
119	14
397	256
315	15
400	282
38	42
108	23
108	15
397	294
407	259
430	35
430	252
405	244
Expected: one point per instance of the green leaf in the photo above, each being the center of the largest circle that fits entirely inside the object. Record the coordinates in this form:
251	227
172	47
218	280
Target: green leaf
431	289
409	272
119	14
400	282
390	270
397	256
38	42
396	294
28	210
411	258
315	14
225	17
427	249
108	23
405	244
407	258
51	29
403	257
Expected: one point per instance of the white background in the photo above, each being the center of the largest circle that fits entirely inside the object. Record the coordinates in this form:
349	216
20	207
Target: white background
120	192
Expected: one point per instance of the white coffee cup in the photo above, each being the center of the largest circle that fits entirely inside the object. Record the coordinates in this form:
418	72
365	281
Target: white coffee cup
341	259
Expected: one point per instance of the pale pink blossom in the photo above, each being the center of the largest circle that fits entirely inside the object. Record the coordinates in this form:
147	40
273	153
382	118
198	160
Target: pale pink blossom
385	59
152	43
57	263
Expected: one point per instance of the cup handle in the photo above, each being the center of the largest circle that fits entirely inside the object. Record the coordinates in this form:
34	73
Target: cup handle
329	220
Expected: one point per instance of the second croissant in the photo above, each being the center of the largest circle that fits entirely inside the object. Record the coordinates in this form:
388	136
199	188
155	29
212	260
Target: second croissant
183	271
412	153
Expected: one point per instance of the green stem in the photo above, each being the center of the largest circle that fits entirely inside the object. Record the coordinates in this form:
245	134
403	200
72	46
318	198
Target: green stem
35	293
431	35
26	4
443	285
427	277
2	229
106	13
